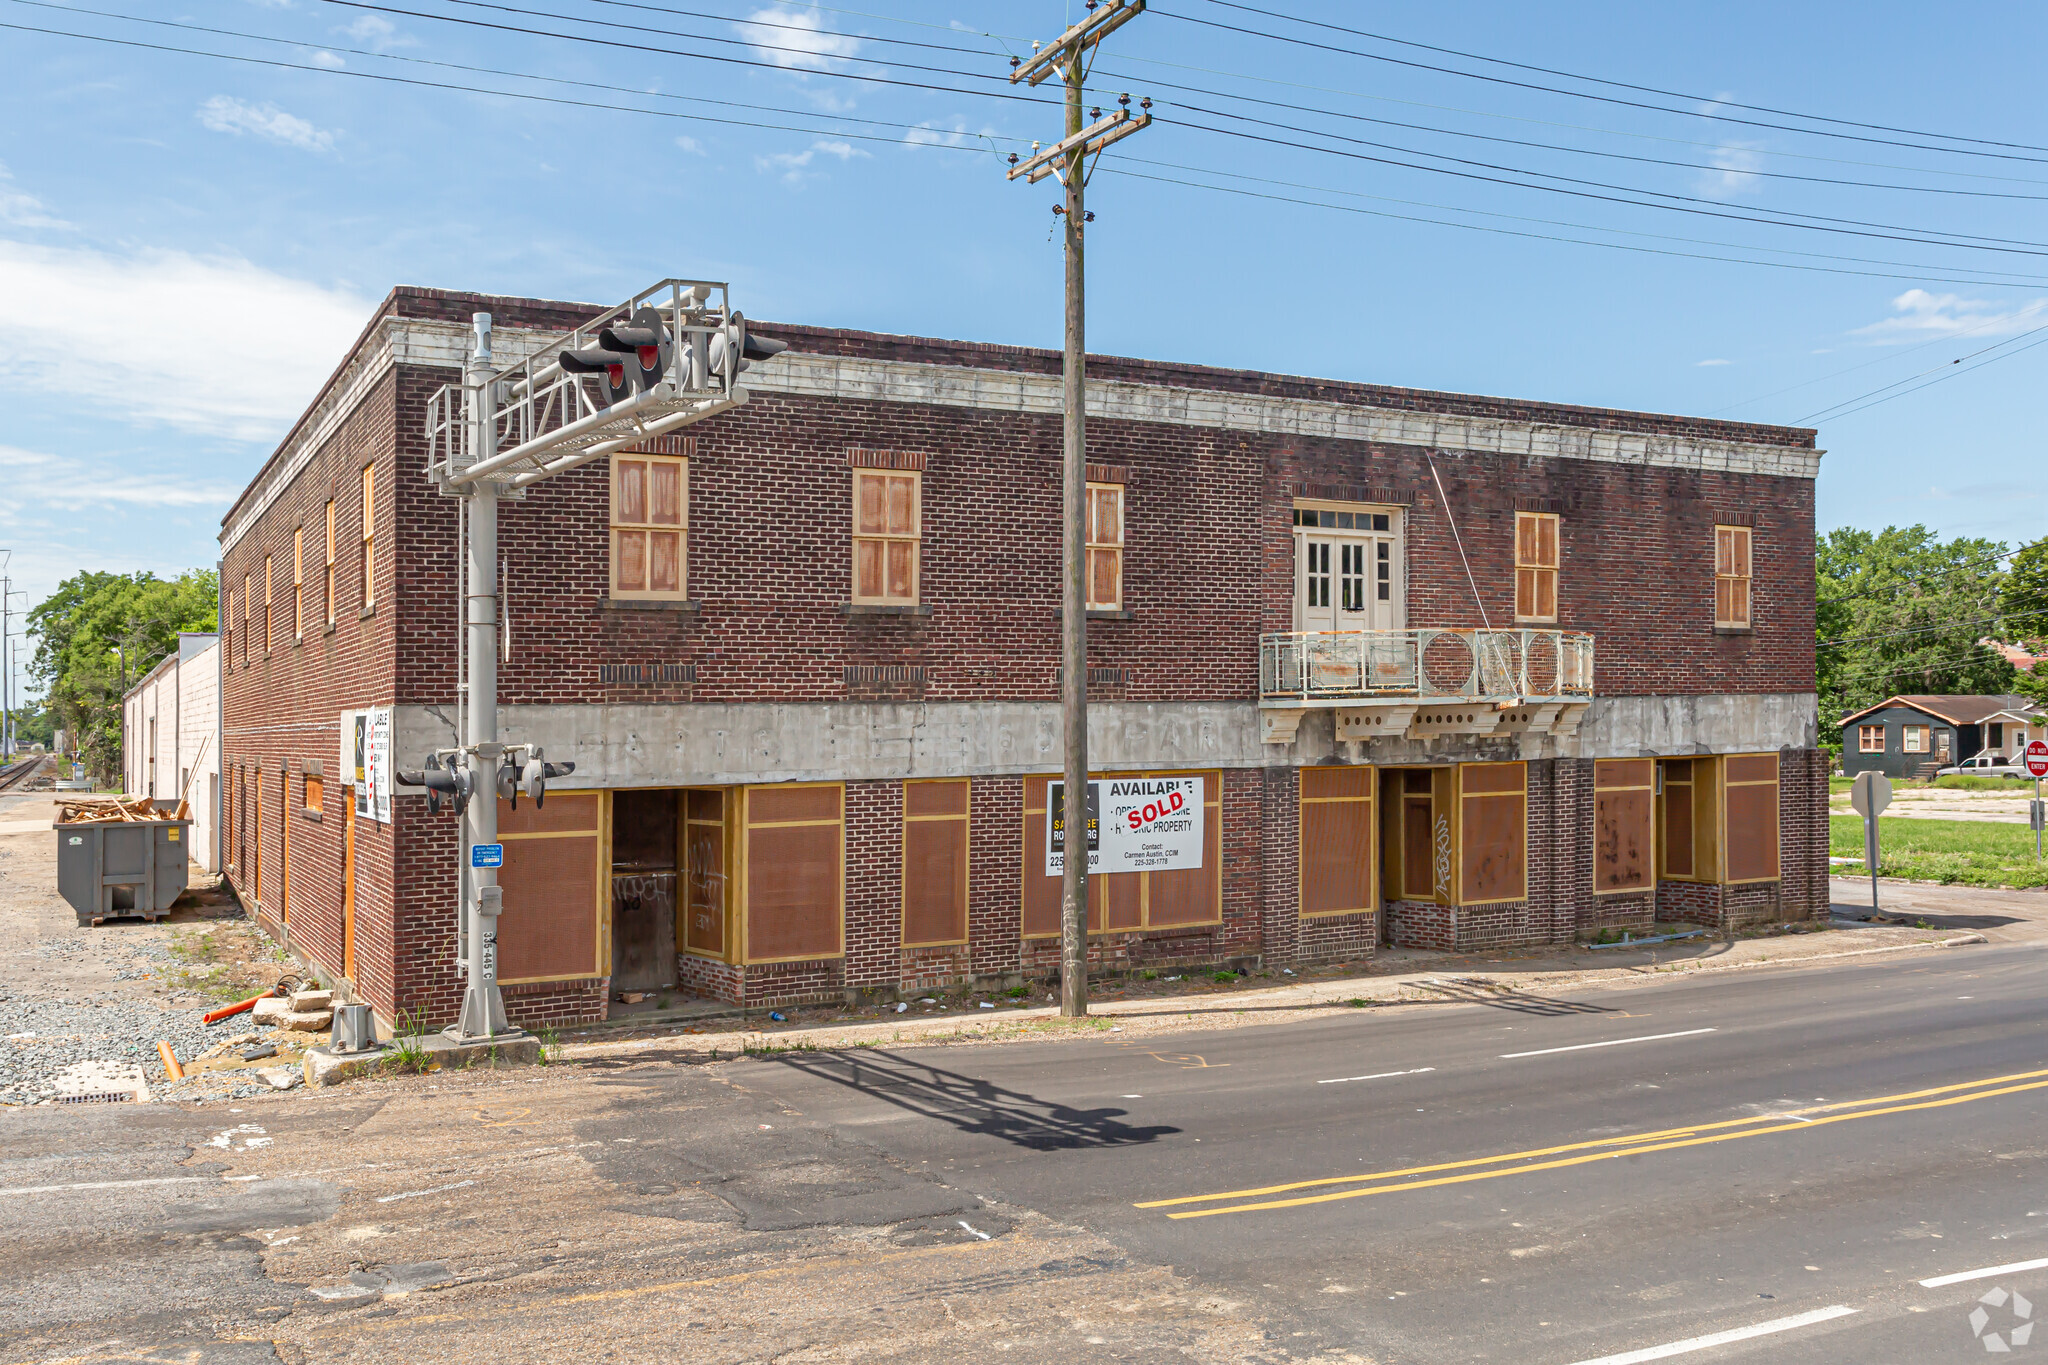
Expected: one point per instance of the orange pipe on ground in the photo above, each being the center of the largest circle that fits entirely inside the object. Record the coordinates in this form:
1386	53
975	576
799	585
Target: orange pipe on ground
171	1067
228	1011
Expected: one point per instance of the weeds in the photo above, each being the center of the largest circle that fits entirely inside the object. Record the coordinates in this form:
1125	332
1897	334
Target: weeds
549	1046
1223	978
409	1055
1019	992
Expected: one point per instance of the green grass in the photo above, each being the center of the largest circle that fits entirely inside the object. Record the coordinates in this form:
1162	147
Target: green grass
1955	852
1986	784
1839	785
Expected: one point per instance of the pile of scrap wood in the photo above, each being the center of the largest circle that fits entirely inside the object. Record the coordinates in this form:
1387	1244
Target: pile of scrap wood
107	810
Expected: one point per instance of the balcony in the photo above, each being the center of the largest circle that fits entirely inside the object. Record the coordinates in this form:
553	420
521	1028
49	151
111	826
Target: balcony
1418	684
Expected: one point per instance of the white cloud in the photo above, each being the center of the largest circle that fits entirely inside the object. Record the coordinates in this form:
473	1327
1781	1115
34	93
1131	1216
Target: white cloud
1919	315
226	114
690	145
377	32
1703	363
793	164
18	208
68	483
794	38
1736	166
212	345
330	60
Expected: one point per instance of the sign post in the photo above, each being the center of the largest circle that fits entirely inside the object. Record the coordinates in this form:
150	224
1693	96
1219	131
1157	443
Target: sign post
1870	794
2037	768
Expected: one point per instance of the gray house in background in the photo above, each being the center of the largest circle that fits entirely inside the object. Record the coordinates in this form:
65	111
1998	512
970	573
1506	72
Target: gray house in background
1911	736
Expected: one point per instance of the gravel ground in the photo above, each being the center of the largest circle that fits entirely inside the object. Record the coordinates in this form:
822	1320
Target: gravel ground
70	994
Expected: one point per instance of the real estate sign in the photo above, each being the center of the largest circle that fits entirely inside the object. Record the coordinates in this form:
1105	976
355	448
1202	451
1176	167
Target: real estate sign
366	761
1134	824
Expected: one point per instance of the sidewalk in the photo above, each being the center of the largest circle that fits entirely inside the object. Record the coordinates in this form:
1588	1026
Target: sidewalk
1402	978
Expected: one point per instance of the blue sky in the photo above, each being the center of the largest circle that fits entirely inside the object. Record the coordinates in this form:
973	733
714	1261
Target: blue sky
187	244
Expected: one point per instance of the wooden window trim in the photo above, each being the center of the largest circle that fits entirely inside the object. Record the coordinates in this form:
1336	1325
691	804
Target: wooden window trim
1736	570
1656	851
369	537
1865	734
299	583
330	561
915	539
1774	782
599	904
745	955
1532	573
268	638
1458	832
681	528
1212	809
1096	546
1913	739
964	818
1369	800
731	833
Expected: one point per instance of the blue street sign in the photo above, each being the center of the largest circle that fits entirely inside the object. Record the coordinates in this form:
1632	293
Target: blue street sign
486	855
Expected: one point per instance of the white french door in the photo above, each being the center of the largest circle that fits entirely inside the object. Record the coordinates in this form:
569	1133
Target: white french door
1348	580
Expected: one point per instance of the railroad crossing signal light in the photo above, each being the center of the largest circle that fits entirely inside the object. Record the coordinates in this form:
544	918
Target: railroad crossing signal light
647	341
453	784
733	340
611	368
534	778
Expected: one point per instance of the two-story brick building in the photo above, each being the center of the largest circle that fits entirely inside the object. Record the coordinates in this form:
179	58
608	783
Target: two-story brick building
1444	670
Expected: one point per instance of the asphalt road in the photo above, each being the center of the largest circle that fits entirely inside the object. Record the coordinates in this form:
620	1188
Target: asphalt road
1783	1151
1540	1180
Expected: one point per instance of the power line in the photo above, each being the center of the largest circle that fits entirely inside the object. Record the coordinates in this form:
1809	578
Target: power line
1117	168
1621	85
1846	402
1604	99
1930	630
1951	374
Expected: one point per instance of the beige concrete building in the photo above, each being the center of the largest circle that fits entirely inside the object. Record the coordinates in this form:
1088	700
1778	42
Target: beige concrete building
170	737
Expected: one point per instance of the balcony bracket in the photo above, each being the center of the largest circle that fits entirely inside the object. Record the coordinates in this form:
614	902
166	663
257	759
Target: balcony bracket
1278	724
1383	721
1431	722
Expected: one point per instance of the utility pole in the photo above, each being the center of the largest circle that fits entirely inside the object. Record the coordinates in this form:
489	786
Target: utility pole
1067	56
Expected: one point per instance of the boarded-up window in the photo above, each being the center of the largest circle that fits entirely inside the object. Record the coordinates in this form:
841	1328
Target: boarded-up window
650	513
1492	833
1624	824
1915	737
1535	566
1336	840
1675	811
704	891
1105	546
885	536
1731	576
935	818
551	882
1750	786
1127	900
794	872
315	791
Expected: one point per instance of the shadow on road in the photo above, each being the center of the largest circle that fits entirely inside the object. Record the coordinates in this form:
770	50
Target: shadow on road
1932	919
1484	992
970	1104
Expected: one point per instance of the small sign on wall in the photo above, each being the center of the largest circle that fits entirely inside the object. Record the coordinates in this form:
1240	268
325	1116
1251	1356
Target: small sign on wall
1135	824
486	855
366	760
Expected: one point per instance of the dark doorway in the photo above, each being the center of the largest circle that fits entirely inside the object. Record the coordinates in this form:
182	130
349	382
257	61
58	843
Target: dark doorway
644	833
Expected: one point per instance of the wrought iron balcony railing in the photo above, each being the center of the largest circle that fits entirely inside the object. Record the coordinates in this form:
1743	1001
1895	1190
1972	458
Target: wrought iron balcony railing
1500	666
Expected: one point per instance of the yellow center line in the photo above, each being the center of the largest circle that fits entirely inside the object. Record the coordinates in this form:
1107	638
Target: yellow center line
1627	1139
1801	1126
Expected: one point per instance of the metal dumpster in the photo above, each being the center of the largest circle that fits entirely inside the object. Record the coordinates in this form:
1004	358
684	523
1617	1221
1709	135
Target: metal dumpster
108	869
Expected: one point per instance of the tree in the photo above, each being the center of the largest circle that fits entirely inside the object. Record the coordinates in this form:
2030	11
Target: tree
2026	601
1902	611
97	635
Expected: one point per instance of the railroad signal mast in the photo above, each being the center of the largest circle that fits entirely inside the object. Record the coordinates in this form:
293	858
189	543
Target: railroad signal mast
667	358
1067	56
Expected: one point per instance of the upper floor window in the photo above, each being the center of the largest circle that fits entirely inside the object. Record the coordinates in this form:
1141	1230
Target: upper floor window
650	504
299	583
248	598
330	561
886	519
1535	566
1105	546
266	604
227	629
369	536
1870	739
1731	576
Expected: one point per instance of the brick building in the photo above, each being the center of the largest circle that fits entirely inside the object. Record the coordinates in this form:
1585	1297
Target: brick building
1443	670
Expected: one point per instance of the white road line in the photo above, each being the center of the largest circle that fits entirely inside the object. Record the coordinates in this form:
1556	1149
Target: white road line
1376	1076
1691	1344
1939	1280
415	1194
1611	1042
107	1184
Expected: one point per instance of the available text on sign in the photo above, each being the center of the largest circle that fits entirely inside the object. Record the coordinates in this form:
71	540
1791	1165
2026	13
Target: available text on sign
1135	824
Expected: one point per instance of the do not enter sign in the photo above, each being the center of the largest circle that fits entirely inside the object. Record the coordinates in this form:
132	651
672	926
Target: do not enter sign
2037	759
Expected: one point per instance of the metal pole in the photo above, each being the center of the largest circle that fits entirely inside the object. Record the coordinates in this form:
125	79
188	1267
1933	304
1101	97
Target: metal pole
2038	820
1870	855
1073	596
483	1007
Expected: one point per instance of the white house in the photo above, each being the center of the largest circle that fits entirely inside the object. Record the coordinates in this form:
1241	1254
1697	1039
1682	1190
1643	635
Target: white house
170	737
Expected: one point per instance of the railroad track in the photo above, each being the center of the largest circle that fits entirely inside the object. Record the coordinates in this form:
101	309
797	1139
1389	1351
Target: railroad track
22	771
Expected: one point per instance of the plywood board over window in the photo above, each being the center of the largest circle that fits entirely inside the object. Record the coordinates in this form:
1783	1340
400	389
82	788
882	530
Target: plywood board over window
1493	833
1732	577
1105	546
935	844
707	859
1536	566
1336	841
554	888
794	874
1624	824
1750	784
1124	901
649	525
886	521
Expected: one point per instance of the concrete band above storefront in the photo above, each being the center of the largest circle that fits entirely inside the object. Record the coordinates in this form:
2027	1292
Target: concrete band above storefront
720	744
